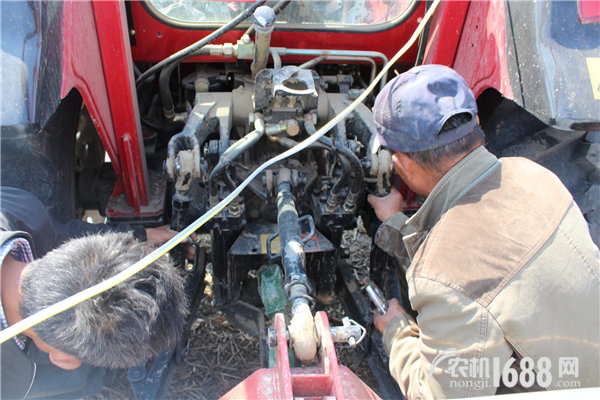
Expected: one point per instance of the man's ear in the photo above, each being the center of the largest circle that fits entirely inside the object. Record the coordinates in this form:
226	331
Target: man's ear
404	165
64	361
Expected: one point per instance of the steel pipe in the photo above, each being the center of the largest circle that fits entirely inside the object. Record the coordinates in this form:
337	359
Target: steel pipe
320	59
282	51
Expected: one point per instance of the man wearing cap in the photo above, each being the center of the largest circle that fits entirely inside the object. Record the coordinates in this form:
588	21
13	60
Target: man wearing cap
503	272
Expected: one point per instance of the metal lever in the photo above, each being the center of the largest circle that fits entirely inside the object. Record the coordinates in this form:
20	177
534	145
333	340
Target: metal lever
376	296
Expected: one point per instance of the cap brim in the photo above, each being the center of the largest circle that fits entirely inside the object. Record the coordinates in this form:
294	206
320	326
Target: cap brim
376	145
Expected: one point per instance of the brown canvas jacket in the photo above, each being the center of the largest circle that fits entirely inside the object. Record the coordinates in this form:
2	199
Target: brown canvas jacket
503	266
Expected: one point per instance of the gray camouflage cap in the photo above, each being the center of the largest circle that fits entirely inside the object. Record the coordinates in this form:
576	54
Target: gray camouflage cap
412	108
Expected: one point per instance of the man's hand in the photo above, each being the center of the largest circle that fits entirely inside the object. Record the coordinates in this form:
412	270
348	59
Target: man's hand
381	320
387	206
160	235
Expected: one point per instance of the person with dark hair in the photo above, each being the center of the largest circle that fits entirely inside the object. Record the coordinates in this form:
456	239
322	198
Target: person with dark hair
502	271
44	262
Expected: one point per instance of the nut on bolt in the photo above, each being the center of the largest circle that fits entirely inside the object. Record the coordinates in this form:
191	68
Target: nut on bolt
292	127
228	49
291	101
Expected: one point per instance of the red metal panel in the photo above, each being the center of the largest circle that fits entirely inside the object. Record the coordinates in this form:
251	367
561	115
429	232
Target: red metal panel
589	11
128	155
282	370
327	380
444	32
481	54
156	41
118	71
82	69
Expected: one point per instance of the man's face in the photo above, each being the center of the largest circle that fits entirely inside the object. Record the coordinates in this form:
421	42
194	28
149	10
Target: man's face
57	357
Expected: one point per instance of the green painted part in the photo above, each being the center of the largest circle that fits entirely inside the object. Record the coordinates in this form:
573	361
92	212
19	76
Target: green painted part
270	288
272	358
292	356
273	361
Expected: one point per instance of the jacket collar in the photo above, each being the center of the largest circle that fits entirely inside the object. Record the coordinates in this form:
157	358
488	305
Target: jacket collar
454	184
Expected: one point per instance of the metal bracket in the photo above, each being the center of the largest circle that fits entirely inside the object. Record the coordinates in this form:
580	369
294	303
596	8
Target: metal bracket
304	240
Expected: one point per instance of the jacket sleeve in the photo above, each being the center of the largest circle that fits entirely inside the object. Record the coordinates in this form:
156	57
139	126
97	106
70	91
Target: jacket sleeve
77	228
22	211
450	354
389	238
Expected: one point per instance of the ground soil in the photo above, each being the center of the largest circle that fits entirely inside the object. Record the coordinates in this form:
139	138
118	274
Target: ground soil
221	356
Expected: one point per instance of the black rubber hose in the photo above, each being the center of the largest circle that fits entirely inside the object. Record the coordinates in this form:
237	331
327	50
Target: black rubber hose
230	155
188	51
279	7
344	178
163	83
228	181
293	258
346	165
343	152
356	168
165	92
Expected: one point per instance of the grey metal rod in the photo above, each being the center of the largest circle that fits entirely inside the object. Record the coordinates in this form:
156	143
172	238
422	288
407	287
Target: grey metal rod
320	59
340	53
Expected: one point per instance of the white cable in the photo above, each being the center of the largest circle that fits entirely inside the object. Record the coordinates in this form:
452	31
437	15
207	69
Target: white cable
159	252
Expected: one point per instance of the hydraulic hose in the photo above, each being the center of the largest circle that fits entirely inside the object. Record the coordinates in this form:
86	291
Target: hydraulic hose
165	91
92	291
345	177
349	160
289	143
346	166
293	258
230	155
165	78
188	51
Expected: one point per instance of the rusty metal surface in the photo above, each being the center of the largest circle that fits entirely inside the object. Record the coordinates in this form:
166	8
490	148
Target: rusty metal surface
119	210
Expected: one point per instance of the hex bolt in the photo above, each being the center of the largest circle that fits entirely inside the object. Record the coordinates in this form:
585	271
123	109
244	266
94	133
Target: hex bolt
291	101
